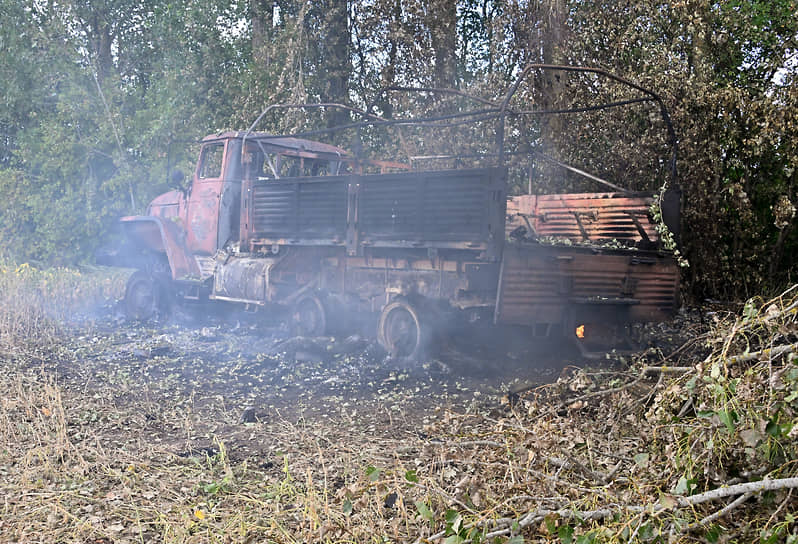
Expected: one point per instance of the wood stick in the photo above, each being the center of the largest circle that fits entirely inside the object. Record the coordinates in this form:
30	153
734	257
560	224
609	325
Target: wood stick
769	352
535	516
667	369
748	487
722	512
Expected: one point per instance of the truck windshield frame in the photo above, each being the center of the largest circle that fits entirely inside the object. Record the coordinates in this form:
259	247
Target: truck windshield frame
264	163
211	161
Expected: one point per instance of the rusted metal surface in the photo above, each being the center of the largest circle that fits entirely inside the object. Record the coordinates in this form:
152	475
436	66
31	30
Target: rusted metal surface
307	210
433	209
162	237
375	280
244	280
168	205
585	216
458	209
556	285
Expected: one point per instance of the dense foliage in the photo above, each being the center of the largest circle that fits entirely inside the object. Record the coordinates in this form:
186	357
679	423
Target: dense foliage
102	98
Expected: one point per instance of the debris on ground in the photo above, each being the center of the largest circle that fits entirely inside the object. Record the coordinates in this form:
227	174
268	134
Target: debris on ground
236	434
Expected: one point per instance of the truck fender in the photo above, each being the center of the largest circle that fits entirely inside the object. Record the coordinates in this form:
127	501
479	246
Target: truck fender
165	237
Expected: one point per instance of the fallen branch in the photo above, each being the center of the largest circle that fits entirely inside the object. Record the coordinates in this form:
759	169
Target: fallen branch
535	516
748	487
468	443
769	352
666	369
574	464
722	512
587	396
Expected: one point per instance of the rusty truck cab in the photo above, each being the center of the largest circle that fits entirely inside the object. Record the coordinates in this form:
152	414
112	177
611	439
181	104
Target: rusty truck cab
213	200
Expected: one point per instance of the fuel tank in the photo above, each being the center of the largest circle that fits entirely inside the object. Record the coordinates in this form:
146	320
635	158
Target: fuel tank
244	280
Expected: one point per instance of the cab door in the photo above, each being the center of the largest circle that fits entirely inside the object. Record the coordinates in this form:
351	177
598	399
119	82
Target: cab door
203	201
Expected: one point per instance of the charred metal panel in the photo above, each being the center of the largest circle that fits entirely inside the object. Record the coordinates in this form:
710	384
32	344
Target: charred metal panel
463	284
450	209
657	287
243	280
206	265
586	216
168	205
531	290
229	213
155	234
299	210
203	216
457	208
549	284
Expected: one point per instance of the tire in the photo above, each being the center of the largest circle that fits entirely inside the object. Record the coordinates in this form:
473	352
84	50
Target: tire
309	316
144	298
401	331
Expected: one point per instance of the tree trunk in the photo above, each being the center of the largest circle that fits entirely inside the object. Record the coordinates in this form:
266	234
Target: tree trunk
261	13
337	64
443	34
552	24
388	73
101	40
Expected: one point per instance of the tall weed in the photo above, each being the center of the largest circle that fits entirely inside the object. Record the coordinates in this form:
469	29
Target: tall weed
34	302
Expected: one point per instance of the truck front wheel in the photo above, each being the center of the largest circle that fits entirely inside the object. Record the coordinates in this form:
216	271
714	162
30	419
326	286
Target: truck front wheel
143	297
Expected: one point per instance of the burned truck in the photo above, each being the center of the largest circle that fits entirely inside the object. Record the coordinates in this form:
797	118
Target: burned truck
279	221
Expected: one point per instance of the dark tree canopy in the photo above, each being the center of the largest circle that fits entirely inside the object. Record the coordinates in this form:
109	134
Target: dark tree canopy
103	98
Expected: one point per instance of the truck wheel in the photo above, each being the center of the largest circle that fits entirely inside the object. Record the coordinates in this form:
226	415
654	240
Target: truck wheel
142	296
401	331
309	316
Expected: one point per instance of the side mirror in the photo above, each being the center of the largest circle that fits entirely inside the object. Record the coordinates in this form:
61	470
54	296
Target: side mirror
176	179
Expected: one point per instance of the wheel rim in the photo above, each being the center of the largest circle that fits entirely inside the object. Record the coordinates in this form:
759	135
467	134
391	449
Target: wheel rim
141	298
309	317
401	331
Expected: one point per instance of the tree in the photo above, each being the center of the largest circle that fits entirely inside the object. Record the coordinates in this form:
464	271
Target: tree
716	64
104	97
442	24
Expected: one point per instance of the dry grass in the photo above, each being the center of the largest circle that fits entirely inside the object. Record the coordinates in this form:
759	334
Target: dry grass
596	457
34	302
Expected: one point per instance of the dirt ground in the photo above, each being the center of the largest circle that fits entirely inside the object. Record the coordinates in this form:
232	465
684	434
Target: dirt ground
228	429
237	369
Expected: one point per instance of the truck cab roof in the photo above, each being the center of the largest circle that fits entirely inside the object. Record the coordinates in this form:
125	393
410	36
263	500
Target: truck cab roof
281	143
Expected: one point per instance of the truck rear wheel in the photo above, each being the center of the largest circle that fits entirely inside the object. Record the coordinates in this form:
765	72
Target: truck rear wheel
143	297
401	330
309	316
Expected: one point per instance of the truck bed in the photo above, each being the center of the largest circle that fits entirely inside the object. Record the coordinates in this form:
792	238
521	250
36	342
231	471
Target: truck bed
451	209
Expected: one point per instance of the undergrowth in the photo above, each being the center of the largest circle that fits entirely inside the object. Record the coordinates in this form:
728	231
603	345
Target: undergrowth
34	302
695	446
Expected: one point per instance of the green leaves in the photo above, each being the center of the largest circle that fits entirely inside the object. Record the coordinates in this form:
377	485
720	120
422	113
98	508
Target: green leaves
454	521
728	418
373	473
424	511
685	486
565	534
347	507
